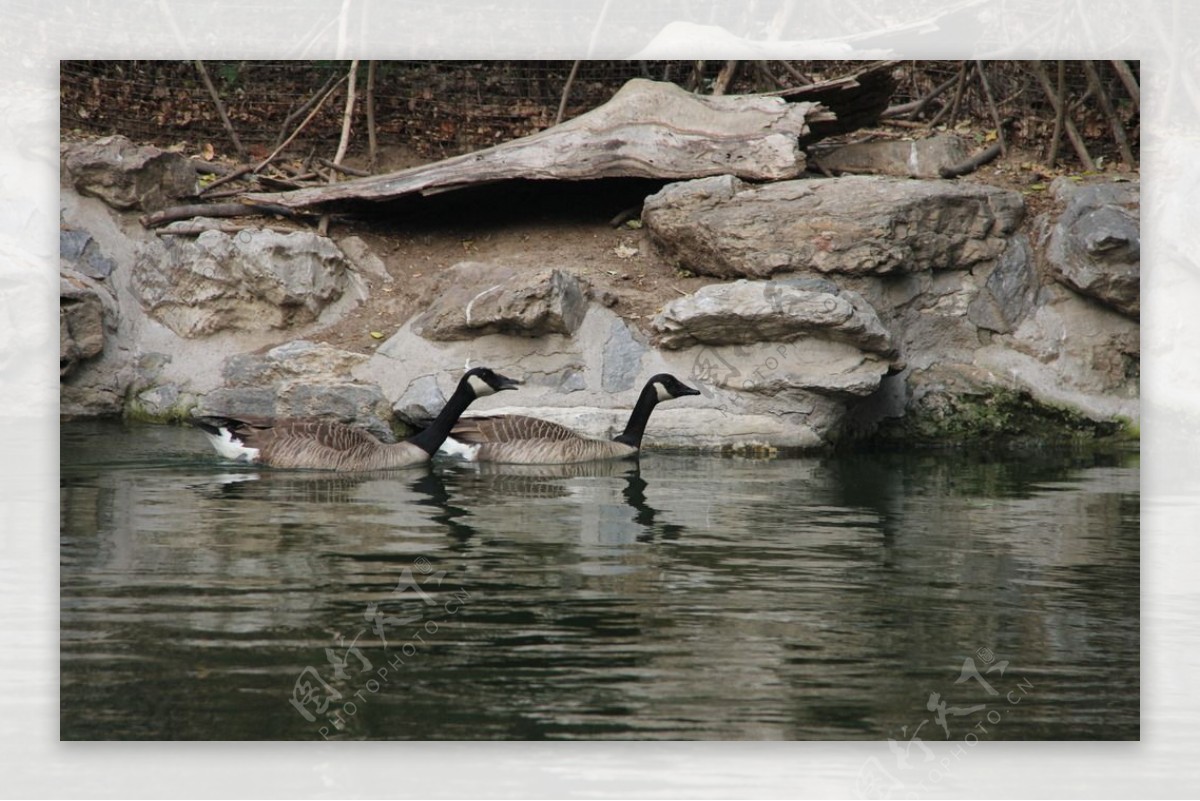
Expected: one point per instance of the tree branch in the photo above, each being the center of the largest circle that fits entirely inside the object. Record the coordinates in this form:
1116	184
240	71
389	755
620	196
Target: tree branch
300	128
372	149
212	91
1039	70
1130	81
562	104
1106	106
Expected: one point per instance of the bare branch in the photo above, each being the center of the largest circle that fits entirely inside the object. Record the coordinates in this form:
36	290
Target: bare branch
1110	113
562	104
1039	70
372	145
1130	81
987	92
300	128
212	91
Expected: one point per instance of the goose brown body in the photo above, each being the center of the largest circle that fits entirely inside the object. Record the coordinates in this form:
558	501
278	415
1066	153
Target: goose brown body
299	443
518	439
319	444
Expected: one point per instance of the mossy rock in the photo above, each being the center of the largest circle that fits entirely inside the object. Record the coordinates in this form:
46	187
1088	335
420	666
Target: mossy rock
1003	417
162	404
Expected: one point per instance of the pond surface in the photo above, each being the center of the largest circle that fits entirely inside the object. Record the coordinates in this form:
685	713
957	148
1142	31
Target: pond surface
926	596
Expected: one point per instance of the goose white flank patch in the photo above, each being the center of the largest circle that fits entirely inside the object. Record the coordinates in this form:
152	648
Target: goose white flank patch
517	439
228	447
328	445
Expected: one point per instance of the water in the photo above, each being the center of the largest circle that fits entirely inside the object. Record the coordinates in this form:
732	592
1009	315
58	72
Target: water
943	594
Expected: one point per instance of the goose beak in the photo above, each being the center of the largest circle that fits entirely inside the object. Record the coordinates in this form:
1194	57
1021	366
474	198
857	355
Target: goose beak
506	383
684	389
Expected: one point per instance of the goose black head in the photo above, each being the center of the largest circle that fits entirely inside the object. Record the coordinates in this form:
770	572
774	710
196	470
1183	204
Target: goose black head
667	386
484	381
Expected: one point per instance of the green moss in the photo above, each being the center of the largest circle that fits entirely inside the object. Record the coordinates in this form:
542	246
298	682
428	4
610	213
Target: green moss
1002	416
134	411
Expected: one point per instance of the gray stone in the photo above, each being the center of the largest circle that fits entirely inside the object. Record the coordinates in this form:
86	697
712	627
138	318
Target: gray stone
475	299
571	380
360	405
83	254
164	402
622	358
301	379
234	401
824	367
364	259
355	404
855	225
128	176
254	281
920	158
1009	292
291	360
83	319
1095	246
421	402
745	312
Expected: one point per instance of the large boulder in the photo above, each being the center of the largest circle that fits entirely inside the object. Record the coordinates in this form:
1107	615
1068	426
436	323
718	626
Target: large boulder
856	225
474	299
128	176
252	281
1009	292
745	312
1095	246
83	253
85	312
920	158
301	379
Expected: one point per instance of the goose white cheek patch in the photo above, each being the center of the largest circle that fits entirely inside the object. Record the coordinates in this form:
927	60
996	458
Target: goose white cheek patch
481	387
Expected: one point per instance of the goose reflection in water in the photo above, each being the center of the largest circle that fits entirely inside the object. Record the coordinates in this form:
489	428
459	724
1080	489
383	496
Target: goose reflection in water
611	512
610	496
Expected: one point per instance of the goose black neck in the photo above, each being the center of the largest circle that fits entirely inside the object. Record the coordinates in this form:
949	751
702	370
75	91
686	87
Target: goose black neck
636	426
432	438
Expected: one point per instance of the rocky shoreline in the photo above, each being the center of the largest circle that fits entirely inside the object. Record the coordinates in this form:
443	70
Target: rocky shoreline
827	310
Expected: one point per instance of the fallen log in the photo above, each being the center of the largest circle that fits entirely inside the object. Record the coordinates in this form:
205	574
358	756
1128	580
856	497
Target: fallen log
648	130
175	213
854	101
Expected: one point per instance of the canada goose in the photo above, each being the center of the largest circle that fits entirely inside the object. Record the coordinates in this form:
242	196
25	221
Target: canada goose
327	445
516	439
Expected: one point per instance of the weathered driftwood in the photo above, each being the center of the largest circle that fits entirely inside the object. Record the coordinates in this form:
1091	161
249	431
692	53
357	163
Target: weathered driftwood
648	130
852	101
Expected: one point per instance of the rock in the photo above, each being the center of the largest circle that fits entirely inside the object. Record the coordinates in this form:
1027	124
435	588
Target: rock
745	312
360	405
291	360
128	176
854	225
1095	246
1009	292
836	369
921	158
166	402
421	402
79	250
364	259
622	358
234	401
82	309
475	299
301	379
254	281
